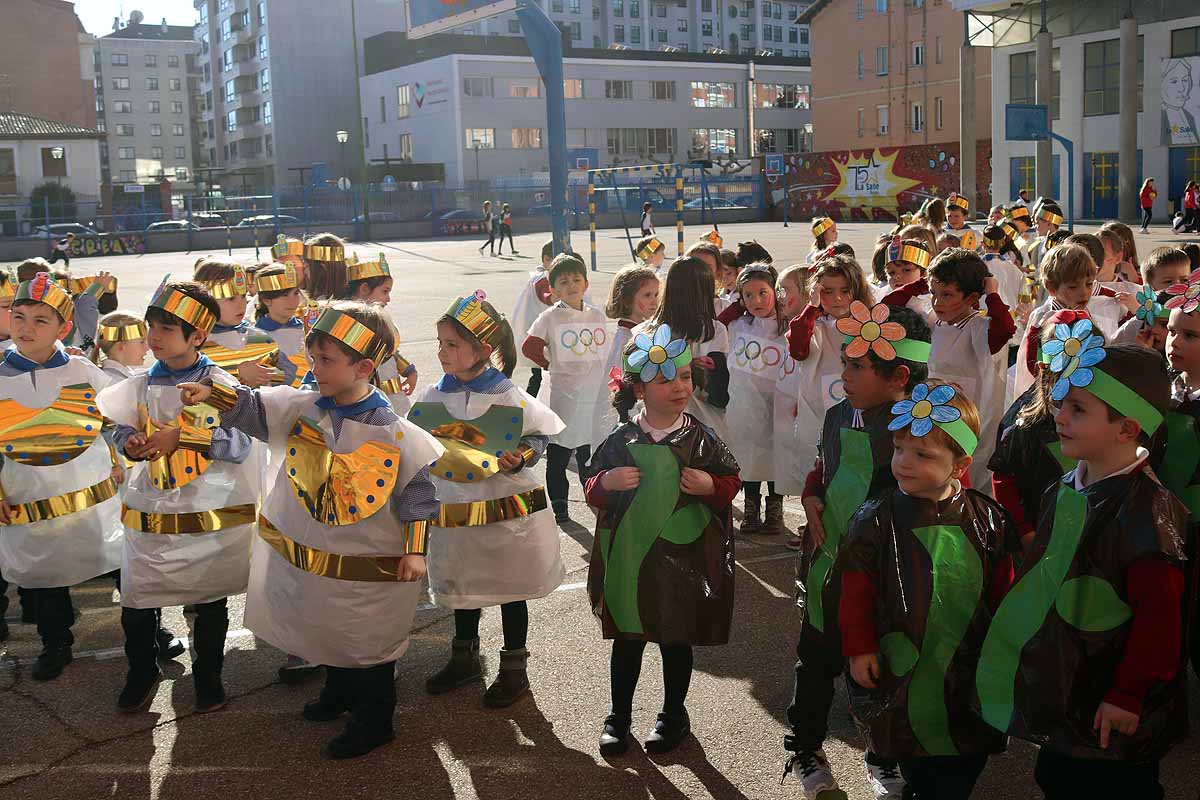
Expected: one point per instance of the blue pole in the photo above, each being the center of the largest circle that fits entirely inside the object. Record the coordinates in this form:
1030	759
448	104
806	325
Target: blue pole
275	213
187	201
786	199
545	43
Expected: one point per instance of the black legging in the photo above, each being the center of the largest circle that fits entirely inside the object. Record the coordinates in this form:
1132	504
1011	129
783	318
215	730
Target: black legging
625	667
514	617
1146	217
491	232
754	488
557	458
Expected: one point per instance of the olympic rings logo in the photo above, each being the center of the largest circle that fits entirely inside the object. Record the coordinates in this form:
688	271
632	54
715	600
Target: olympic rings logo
583	342
751	354
787	367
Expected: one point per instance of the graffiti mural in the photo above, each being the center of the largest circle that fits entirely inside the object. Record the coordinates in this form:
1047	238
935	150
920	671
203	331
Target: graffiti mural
108	244
875	185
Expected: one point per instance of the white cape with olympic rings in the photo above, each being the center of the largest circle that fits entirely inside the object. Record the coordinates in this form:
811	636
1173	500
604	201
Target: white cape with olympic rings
755	354
577	345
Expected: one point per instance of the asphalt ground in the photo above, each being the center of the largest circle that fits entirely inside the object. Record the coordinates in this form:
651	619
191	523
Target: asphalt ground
65	738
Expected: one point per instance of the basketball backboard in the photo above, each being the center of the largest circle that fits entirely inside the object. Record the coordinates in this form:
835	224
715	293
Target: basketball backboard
1026	122
427	17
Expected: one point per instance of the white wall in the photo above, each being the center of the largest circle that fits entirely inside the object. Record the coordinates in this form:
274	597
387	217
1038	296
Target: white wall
83	164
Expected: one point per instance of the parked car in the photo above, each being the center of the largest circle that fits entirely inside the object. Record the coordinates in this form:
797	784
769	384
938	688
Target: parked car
460	214
713	202
268	221
437	213
377	217
208	219
173	225
60	229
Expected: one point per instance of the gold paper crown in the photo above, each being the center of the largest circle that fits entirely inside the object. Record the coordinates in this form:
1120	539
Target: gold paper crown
236	286
1049	216
324	252
8	285
278	282
820	225
1010	230
957	201
121	333
712	237
285	247
469	312
352	333
362	270
185	308
43	290
649	248
1019	212
998	240
914	255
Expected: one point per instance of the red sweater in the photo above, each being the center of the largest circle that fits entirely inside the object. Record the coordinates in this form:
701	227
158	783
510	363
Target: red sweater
800	332
1001	325
534	349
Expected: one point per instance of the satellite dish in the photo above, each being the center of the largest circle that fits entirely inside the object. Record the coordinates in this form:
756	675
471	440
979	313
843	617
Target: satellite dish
135	17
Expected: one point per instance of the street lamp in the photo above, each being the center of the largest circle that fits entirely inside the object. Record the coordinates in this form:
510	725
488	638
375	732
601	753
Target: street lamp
58	152
343	137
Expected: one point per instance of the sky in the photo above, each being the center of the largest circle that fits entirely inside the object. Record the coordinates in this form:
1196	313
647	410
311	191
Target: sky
97	15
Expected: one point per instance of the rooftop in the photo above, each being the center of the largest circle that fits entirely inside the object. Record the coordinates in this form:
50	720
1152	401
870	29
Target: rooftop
161	32
20	126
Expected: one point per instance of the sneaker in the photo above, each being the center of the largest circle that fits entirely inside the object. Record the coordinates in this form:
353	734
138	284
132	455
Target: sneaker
615	739
210	694
137	694
886	781
811	768
50	662
169	647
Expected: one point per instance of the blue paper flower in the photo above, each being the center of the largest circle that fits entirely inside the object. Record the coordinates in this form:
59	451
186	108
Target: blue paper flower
925	407
1074	350
656	355
1149	308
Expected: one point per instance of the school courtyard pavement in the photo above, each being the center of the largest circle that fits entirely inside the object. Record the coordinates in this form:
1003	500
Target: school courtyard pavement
65	739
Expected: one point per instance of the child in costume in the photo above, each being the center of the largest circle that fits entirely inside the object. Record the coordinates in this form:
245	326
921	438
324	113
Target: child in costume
190	500
884	359
1018	216
632	300
662	561
324	266
1012	284
922	568
727	274
791	290
757	348
1085	655
569	339
8	291
235	345
535	298
1128	267
121	339
371	282
651	251
905	263
59	509
494	541
957	208
1049	219
290	253
647	219
825	233
279	299
336	570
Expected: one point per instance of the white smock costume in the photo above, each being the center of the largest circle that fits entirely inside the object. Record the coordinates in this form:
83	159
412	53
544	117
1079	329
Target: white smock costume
607	418
577	347
1010	279
391	382
787	454
289	336
529	304
495	540
757	349
189	521
53	460
821	388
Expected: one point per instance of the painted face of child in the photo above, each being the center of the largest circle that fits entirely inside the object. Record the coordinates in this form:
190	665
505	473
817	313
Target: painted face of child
759	298
381	295
1073	294
131	353
1156	337
1168	274
168	343
789	297
1183	342
569	287
282	308
902	273
233	310
835	295
949	302
5	317
458	354
864	387
36	329
1112	255
645	301
336	372
955	217
1084	427
667	398
924	466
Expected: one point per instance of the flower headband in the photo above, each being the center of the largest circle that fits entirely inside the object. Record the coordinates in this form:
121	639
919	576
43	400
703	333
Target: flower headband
867	330
928	408
469	312
121	333
914	254
238	285
278	282
362	270
1075	353
957	201
649	248
658	354
352	333
1149	309
820	225
42	289
1185	296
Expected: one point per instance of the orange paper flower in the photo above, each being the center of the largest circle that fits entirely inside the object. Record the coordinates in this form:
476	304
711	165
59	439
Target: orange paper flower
870	330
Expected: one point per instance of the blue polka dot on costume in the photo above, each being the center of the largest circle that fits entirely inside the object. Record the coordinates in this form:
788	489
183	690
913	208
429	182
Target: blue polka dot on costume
209	420
8	448
370	498
87	427
380	482
387	462
188	470
515	420
296	430
45	459
91	409
449	474
485	463
416	412
353	509
292	451
172	481
330	517
508	437
87	395
470	476
292	472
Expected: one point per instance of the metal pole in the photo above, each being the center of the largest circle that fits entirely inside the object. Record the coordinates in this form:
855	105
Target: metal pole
1044	161
1127	186
187	201
362	138
679	206
966	116
591	203
750	100
786	197
254	213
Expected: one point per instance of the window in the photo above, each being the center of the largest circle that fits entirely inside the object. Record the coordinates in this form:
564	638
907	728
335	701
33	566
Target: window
862	65
862	122
1185	42
123	107
573	88
882	119
713	95
120	83
881	6
151	60
881	60
937	49
576	31
477	87
176	84
125	152
120	59
1102	77
721	141
128	176
482	138
918	54
525	87
918	117
229	91
406	146
267	116
180	152
662	90
618	33
682	25
173	61
231	121
155	129
156	152
403	95
124	130
618	90
152	84
635	35
618	8
269	142
176	106
858	10
706	27
54	167
661	35
264	79
556	6
177	129
181	173
781	95
937	113
640	141
514	26
573	6
262	13
526	138
262	47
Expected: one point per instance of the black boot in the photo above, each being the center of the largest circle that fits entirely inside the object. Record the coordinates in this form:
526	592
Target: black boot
51	661
615	738
325	708
169	646
138	693
750	514
357	740
773	521
210	694
463	668
512	683
668	732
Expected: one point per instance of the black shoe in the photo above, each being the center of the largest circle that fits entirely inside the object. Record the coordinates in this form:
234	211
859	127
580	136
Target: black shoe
356	741
297	672
50	662
3	630
137	694
323	709
210	694
560	511
169	647
668	732
615	739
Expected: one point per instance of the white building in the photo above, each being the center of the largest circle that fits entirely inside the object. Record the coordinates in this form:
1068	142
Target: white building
476	105
1086	99
37	151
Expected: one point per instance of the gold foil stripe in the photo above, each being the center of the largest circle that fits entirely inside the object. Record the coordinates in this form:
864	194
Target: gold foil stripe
1051	217
485	512
378	569
63	504
121	333
320	252
186	308
195	522
821	225
914	255
392	386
